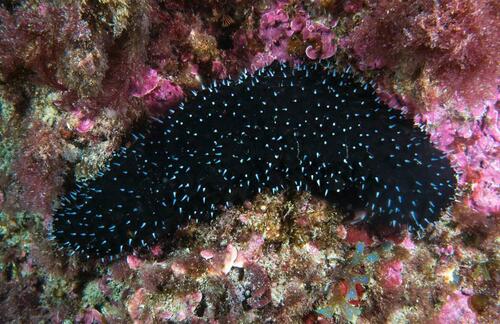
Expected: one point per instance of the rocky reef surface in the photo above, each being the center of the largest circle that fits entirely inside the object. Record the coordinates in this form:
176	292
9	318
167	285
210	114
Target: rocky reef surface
77	76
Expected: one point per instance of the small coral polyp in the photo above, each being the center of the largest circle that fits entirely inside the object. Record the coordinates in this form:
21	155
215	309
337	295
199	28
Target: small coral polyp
303	128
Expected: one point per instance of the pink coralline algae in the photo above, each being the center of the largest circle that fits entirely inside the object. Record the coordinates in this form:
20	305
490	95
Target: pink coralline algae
219	70
408	243
391	274
442	58
251	253
447	250
85	125
472	142
90	316
220	262
165	95
357	234
134	262
156	250
258	284
456	310
185	308
318	34
80	118
146	84
277	29
135	304
158	93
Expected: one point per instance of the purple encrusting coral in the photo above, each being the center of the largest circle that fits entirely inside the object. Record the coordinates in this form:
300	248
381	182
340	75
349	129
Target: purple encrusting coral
75	77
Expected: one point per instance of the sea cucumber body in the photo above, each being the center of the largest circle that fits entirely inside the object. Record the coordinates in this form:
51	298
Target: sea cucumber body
306	128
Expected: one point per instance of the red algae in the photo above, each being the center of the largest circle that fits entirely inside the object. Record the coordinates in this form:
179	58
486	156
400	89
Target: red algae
440	57
36	38
357	234
391	274
452	42
456	310
39	169
134	262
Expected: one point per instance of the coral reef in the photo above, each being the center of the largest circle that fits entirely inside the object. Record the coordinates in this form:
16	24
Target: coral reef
77	76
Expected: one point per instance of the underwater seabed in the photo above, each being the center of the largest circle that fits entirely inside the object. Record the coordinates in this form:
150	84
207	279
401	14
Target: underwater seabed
78	78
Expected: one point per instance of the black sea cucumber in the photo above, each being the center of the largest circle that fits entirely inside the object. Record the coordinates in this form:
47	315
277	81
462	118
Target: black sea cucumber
304	128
